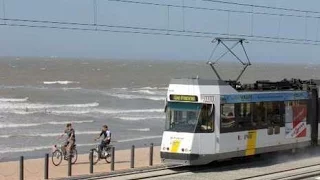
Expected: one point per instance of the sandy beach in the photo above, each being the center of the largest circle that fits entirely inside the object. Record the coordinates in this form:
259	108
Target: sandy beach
34	167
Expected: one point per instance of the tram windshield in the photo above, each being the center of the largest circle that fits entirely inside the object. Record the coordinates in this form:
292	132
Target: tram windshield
189	117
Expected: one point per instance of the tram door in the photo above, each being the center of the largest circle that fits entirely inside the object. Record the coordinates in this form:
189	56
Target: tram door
274	115
206	129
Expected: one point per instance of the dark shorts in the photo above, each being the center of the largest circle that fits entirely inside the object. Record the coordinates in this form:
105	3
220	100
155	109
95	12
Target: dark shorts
104	144
69	143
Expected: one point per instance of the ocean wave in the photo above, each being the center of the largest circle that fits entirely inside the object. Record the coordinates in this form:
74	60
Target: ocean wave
9	125
60	82
139	138
30	106
140	118
132	96
14	99
71	88
12	125
153	88
72	122
37	148
49	134
141	130
24	149
145	92
106	111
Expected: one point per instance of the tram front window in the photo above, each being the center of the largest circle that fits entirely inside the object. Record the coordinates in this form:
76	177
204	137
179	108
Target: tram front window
189	117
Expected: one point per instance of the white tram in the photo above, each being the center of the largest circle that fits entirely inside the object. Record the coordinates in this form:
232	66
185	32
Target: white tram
208	120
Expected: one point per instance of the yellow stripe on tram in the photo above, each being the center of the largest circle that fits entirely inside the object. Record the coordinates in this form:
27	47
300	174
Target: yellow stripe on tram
175	146
251	143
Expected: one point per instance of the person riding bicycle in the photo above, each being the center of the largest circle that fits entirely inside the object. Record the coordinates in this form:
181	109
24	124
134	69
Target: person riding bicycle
70	139
106	137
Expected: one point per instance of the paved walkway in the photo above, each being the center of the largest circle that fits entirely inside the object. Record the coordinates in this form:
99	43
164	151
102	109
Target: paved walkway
34	167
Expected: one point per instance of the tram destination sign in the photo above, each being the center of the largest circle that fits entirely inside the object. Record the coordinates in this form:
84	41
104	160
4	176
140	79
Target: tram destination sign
188	98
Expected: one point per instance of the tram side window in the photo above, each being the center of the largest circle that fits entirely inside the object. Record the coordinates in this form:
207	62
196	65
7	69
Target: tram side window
206	119
275	115
244	115
228	122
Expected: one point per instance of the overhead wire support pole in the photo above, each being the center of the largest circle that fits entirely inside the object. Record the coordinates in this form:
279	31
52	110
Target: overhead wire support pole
318	23
183	16
306	27
252	20
95	8
4	11
168	15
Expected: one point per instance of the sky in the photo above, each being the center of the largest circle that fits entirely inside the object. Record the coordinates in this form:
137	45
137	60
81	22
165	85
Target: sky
41	42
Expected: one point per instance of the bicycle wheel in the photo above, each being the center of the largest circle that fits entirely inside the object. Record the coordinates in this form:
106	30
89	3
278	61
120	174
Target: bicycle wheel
74	156
108	157
96	157
56	157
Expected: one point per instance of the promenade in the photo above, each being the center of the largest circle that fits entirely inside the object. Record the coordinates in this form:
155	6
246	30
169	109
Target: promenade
34	168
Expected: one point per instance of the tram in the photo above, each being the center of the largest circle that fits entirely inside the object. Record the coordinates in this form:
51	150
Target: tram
209	120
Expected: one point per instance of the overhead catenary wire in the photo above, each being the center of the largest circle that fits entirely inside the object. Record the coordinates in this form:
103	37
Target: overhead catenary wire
154	31
262	6
223	10
144	29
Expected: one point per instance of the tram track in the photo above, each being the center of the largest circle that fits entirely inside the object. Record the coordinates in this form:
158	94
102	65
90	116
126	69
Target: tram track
162	171
288	174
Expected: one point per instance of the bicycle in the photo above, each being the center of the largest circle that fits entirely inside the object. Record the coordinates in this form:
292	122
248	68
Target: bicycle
58	154
104	154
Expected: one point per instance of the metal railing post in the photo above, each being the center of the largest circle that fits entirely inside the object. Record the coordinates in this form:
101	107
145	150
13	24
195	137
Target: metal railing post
151	155
132	157
21	168
91	162
46	166
69	165
112	158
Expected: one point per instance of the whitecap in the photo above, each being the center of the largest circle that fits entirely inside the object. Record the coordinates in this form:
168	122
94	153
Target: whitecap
30	106
14	99
60	82
37	148
106	111
141	130
24	149
131	96
139	118
72	122
12	125
48	134
142	91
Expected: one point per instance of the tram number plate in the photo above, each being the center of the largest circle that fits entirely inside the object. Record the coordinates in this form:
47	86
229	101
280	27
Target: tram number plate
208	98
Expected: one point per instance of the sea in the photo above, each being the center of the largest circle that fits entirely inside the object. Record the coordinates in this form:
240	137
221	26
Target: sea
39	96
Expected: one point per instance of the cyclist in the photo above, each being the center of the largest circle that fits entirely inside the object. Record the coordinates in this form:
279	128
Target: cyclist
106	137
70	139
